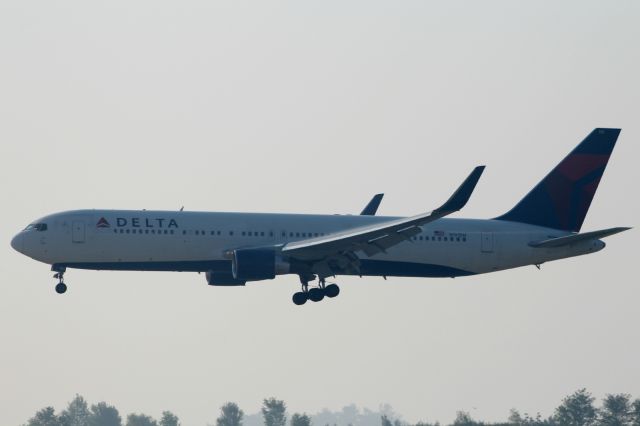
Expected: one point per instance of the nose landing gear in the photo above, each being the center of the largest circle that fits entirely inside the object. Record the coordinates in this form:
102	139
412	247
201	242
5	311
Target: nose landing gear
315	294
61	287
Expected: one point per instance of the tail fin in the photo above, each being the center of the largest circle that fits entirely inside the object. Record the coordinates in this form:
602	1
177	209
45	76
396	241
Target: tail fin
561	200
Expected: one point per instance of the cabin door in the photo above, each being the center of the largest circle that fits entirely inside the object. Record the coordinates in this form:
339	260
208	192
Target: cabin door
78	232
487	242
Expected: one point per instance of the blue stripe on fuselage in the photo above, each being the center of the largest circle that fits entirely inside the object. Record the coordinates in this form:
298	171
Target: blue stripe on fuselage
368	267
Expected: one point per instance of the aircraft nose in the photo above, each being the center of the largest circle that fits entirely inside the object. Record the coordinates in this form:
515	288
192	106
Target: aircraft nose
17	242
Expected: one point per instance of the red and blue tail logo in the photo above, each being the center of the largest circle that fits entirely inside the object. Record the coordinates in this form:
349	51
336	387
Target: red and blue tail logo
561	200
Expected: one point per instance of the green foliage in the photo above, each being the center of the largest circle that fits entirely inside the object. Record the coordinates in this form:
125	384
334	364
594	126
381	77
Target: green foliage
103	414
635	413
230	415
140	420
300	420
76	414
169	419
464	419
616	410
45	417
516	419
576	410
384	421
274	412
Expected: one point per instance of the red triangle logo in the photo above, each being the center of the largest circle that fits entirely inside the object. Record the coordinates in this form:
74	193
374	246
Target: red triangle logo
102	223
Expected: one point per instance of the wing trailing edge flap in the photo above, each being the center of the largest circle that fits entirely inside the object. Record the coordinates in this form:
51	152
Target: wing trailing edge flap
339	248
576	238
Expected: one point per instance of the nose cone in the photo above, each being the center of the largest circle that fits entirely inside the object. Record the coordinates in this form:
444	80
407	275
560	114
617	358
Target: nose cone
17	242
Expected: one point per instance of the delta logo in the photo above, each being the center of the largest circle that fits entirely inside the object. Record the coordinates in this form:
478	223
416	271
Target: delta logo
102	223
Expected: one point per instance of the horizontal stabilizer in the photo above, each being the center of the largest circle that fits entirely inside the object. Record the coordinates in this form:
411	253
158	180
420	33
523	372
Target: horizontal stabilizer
576	238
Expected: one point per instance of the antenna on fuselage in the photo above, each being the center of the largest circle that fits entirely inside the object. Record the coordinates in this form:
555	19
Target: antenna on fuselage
181	208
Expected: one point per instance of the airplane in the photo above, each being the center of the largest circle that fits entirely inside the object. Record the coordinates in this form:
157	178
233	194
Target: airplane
235	248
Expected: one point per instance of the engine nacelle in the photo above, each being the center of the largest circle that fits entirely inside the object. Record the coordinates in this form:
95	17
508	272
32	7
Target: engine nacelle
222	279
255	264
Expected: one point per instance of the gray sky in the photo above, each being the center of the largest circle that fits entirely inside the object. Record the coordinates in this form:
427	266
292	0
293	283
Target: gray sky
313	107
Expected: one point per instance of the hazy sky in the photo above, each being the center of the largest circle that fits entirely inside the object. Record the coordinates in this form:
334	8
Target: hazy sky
314	107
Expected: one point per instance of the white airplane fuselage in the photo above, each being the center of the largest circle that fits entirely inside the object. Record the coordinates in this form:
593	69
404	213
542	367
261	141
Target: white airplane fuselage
200	241
236	248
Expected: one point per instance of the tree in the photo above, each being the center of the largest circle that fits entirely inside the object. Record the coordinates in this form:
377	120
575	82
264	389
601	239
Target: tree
140	420
300	420
576	410
616	410
274	412
385	421
518	420
230	415
44	417
169	419
464	419
103	414
635	413
77	413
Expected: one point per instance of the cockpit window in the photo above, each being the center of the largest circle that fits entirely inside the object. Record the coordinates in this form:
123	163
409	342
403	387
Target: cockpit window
40	227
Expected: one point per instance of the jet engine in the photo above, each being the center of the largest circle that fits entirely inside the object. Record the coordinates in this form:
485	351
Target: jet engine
255	264
225	279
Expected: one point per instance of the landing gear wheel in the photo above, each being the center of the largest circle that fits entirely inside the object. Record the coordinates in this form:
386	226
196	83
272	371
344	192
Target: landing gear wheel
316	294
332	290
61	288
300	298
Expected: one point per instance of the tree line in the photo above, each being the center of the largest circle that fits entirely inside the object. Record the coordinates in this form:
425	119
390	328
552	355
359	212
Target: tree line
577	409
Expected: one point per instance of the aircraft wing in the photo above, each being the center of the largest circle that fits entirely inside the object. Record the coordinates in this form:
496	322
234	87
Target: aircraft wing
576	238
335	252
371	208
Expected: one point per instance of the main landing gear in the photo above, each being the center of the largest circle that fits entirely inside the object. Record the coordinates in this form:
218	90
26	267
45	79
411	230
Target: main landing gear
315	294
61	287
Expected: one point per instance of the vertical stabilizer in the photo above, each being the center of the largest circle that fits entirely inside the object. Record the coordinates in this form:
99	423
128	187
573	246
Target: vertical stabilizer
561	200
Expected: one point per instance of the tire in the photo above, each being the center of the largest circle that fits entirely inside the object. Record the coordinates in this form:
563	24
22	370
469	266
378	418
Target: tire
332	290
61	288
316	294
299	298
